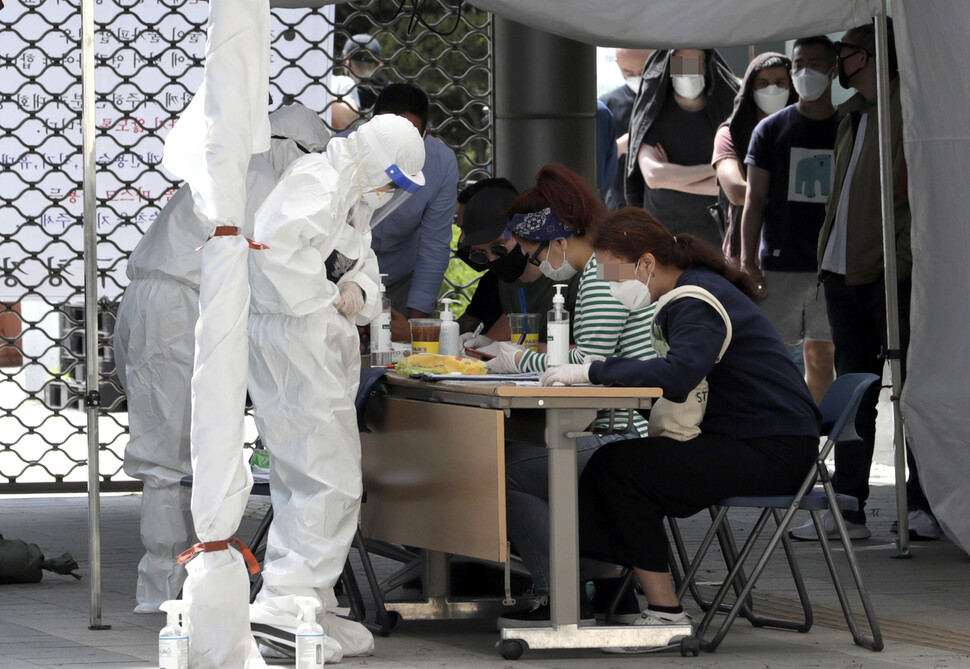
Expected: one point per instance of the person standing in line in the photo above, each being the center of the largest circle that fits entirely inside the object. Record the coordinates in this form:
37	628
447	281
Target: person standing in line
851	268
620	103
789	179
684	96
760	95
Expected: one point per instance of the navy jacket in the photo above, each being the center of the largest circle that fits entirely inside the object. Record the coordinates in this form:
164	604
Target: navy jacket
755	390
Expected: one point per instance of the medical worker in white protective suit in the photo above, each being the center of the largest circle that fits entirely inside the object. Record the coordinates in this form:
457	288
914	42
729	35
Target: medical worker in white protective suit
154	348
318	280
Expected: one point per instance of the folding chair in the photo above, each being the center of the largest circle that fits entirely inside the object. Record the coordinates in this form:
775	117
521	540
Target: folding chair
838	409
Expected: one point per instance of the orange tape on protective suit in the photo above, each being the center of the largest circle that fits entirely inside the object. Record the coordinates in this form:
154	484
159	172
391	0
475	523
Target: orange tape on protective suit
211	546
232	231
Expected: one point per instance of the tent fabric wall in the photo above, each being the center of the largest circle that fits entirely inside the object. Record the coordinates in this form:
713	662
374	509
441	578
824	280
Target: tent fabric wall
668	24
932	43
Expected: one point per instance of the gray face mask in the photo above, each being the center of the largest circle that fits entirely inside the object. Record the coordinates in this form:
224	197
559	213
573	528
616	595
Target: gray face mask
565	271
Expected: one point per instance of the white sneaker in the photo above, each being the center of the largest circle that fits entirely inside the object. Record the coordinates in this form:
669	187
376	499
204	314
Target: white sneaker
650	617
922	525
807	531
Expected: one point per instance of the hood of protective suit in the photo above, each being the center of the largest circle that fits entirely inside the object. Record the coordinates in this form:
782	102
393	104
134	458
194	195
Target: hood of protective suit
295	130
317	210
721	86
385	149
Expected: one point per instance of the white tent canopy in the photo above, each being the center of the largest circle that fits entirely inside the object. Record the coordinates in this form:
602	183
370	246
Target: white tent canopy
936	405
672	24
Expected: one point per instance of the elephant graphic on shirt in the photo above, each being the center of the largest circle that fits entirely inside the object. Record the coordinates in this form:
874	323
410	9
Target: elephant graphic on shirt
815	169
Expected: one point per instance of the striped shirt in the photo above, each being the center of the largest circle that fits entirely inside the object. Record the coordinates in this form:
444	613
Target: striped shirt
603	326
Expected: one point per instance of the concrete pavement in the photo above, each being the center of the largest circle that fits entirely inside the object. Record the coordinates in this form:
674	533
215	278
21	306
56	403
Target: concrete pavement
923	604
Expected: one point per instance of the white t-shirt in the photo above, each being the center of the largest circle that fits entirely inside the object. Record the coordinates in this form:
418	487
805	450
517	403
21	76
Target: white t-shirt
345	89
834	258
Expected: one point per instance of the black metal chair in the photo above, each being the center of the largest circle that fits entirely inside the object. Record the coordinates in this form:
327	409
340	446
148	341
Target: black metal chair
838	409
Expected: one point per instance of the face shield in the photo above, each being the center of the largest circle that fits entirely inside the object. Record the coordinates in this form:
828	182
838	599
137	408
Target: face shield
384	202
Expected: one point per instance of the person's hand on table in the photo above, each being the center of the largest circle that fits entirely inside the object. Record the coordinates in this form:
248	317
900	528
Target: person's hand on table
568	375
400	328
351	299
507	356
474	341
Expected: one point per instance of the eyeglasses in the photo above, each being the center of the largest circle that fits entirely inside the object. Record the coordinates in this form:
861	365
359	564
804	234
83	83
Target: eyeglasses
480	256
533	258
856	48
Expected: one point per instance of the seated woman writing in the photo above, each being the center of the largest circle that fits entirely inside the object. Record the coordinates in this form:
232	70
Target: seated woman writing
553	222
759	432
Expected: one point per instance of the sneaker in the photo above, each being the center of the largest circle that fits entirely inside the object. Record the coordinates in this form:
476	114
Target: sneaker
278	639
540	615
650	617
807	532
627	609
922	526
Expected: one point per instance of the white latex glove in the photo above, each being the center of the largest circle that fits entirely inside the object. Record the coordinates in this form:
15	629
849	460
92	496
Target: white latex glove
569	375
468	340
506	357
351	299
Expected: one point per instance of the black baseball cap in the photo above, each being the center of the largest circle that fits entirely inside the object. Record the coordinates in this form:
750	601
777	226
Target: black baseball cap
484	218
362	47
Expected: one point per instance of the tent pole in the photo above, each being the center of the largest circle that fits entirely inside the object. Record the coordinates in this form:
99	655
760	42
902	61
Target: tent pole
886	144
91	335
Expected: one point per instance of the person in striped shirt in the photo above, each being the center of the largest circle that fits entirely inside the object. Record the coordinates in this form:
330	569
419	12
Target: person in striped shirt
553	223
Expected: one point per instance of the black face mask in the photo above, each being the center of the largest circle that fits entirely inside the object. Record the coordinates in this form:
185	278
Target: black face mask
510	267
840	66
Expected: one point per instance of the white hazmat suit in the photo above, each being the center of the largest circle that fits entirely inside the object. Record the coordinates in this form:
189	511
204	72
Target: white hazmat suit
154	348
318	278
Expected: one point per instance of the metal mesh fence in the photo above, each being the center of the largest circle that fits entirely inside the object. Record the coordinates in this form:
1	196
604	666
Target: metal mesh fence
149	62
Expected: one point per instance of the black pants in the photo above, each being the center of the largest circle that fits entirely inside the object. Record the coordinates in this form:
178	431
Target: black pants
857	315
629	487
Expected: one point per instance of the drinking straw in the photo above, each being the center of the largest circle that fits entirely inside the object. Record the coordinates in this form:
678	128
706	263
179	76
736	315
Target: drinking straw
525	326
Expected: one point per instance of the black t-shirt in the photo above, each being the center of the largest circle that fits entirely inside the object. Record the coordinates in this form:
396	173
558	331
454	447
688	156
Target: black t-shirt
797	152
620	102
485	305
688	139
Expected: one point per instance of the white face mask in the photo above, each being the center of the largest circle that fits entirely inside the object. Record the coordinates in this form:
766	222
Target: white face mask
810	84
565	271
633	83
688	85
375	199
771	99
632	294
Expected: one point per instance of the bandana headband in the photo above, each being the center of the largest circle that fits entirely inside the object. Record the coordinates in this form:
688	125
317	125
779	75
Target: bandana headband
540	226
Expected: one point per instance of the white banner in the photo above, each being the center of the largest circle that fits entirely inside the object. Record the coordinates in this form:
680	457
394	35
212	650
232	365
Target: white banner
149	64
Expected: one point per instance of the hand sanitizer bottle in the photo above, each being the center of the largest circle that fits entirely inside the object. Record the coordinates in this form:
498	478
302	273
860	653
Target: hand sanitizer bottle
309	635
173	642
448	340
380	333
557	330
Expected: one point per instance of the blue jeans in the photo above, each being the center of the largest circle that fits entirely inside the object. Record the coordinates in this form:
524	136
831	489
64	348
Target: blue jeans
527	504
858	318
